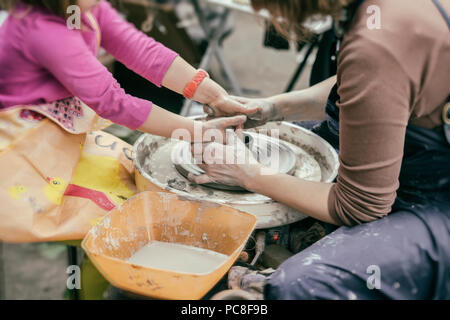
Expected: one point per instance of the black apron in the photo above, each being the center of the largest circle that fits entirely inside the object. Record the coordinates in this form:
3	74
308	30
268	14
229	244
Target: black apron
446	112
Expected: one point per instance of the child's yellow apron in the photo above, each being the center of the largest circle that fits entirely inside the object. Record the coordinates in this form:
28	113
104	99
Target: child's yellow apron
58	174
59	177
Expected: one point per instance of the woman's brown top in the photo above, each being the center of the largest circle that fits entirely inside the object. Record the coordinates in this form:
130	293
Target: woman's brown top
387	78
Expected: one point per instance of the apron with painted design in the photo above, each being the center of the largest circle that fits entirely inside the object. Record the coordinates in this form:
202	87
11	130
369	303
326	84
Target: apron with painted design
59	175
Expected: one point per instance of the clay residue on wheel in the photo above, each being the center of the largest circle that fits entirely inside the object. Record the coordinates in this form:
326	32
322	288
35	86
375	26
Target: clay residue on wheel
319	157
159	165
177	184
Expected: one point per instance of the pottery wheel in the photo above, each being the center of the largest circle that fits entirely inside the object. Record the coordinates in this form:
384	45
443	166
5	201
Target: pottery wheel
316	160
270	152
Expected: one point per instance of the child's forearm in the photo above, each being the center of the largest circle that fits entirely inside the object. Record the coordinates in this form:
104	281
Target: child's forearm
163	123
181	73
167	124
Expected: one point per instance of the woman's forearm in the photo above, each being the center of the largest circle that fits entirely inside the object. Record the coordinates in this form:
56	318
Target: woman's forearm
301	105
310	198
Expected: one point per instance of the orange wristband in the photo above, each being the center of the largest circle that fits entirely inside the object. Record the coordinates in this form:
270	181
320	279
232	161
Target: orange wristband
192	86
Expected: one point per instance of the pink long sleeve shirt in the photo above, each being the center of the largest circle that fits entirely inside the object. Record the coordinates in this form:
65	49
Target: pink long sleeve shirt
42	60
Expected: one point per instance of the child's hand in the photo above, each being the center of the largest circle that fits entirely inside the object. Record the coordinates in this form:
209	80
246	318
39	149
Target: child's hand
215	130
226	106
258	111
231	164
265	111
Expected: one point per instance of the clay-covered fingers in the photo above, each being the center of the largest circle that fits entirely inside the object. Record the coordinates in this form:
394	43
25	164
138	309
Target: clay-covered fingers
197	151
240	132
235	121
224	163
235	138
263	110
213	153
240	126
200	179
241	99
256	106
249	124
236	145
208	153
209	111
215	130
237	107
229	106
224	123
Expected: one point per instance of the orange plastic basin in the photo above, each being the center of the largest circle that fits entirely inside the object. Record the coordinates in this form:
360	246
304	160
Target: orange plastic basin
158	216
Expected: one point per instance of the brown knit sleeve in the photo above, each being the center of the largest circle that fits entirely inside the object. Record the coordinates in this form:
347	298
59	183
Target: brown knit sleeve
375	95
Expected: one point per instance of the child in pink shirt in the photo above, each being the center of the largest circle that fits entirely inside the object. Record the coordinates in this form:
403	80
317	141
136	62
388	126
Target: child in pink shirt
43	61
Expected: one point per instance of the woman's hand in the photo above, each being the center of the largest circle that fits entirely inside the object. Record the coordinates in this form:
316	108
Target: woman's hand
265	111
215	130
226	106
231	164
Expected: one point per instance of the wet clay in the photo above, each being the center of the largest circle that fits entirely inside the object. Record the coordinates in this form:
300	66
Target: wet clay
177	257
271	153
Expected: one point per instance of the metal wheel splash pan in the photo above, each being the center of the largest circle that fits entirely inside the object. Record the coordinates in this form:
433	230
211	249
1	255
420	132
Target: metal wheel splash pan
316	160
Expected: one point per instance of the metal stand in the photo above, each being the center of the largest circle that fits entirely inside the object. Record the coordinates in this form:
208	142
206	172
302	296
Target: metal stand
298	72
2	274
319	29
72	259
214	37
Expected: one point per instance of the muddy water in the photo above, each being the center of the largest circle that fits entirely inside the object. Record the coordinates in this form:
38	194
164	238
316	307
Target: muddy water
177	257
